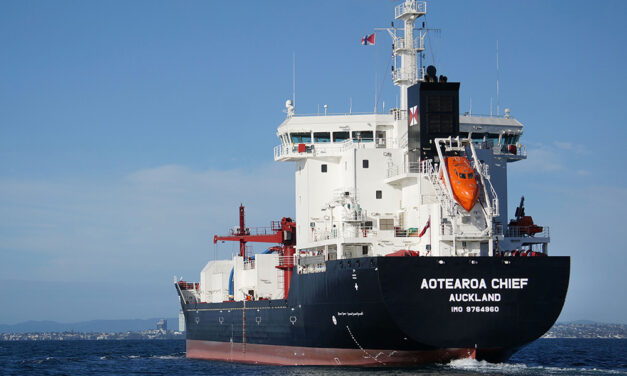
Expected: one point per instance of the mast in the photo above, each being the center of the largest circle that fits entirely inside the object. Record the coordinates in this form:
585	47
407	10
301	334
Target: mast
407	48
241	231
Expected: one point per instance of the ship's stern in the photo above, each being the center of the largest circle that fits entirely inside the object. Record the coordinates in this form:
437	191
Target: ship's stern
495	305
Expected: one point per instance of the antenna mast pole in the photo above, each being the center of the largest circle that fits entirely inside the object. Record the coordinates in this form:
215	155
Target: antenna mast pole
498	99
407	48
294	79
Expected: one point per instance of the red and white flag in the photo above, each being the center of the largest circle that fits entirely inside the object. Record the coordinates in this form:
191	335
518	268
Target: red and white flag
368	39
425	228
413	116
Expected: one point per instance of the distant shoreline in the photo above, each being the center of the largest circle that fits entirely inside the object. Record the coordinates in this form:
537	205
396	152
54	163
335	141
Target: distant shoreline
573	330
587	330
93	336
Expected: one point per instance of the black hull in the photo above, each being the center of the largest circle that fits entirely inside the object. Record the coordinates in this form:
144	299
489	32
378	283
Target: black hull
389	311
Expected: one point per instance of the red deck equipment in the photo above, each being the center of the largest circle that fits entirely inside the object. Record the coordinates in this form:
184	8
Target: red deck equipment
283	233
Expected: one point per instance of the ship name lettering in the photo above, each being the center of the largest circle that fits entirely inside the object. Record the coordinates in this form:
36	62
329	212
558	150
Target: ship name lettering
453	283
509	283
494	297
473	283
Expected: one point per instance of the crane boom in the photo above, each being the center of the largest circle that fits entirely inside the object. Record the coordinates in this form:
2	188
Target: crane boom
284	234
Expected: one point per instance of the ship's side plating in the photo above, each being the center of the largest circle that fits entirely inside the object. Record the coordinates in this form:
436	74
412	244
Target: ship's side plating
361	312
395	256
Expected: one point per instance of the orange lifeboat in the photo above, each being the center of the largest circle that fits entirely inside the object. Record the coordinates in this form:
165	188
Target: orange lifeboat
463	181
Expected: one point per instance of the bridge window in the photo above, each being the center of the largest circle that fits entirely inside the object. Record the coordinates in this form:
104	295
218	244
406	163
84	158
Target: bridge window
362	136
323	168
340	136
322	137
511	139
301	137
364	163
379	195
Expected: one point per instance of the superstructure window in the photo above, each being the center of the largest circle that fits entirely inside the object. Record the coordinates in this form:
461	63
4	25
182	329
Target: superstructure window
323	168
379	195
511	139
363	136
364	163
322	137
340	136
301	138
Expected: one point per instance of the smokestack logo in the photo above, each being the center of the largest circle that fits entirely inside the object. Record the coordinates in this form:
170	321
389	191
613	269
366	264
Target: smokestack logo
413	115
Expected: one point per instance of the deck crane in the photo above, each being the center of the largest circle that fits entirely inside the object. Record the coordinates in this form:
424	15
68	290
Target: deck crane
283	232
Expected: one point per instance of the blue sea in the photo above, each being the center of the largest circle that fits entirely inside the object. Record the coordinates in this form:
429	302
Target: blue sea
167	357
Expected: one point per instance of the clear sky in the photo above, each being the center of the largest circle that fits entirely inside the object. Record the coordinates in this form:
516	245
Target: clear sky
131	131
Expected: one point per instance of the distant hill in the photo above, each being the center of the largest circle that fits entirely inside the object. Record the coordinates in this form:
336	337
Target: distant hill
108	326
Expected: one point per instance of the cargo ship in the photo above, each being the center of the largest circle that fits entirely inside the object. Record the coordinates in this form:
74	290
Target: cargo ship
400	252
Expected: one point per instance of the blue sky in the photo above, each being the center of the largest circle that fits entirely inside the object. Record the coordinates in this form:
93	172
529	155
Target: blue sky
131	131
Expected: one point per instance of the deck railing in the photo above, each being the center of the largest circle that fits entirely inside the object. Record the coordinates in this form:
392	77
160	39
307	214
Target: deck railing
411	7
354	233
287	261
406	168
523	231
308	149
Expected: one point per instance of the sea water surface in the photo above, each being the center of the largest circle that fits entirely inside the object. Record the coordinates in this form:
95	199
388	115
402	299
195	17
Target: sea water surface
167	357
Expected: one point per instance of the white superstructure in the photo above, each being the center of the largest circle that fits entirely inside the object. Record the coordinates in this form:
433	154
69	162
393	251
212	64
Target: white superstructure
359	193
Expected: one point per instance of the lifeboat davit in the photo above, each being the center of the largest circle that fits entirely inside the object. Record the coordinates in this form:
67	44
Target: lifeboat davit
463	181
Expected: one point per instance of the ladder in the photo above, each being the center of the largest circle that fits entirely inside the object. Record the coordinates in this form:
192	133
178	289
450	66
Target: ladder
281	281
446	201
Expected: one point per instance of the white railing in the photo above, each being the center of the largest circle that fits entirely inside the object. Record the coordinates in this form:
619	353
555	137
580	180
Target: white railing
339	194
339	113
441	192
400	75
418	43
355	216
492	203
410	168
411	7
353	233
282	151
316	149
287	261
399	114
427	167
515	150
394	170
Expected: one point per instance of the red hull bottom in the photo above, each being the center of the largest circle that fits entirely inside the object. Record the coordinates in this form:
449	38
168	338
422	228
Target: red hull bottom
311	356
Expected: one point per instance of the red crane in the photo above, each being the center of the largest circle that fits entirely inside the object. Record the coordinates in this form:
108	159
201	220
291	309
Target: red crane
283	233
